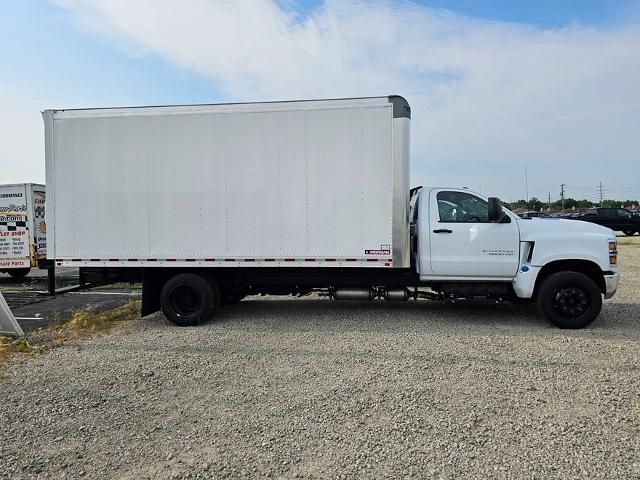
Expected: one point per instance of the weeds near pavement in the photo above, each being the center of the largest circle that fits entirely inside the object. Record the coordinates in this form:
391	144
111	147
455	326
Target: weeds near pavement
21	345
83	324
85	321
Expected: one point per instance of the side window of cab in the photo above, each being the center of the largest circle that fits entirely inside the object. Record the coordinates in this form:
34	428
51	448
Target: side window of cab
462	207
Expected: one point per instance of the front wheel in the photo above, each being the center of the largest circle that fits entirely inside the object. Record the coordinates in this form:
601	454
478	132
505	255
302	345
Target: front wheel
569	299
188	299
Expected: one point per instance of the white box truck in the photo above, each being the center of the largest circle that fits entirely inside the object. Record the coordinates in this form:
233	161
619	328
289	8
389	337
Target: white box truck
205	204
23	232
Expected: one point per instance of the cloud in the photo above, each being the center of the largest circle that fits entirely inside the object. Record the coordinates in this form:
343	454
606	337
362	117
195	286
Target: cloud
487	97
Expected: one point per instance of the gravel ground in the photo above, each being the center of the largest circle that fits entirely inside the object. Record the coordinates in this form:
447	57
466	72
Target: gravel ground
313	389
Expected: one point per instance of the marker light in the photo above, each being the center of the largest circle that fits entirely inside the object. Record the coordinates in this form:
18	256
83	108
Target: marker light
613	252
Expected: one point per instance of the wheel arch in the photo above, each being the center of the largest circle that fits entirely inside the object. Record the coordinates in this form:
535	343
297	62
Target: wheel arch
586	267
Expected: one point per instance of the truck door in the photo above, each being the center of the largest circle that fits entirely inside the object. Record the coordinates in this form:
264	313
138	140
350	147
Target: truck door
607	218
463	243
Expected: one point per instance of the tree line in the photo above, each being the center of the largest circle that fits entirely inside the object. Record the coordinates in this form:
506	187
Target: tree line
569	203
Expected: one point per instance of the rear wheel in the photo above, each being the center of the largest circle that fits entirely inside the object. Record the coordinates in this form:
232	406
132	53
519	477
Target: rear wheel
19	272
188	299
569	299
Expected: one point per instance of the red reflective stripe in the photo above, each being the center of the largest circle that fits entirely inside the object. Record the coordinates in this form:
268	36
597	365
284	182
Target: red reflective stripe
387	261
59	263
387	264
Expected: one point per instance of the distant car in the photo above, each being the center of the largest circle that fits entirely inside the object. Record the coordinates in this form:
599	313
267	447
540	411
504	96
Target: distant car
618	219
533	215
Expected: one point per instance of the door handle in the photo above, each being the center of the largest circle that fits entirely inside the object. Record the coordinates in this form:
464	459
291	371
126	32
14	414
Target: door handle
443	230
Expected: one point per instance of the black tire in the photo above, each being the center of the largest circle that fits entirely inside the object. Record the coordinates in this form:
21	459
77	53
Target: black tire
216	289
19	272
569	299
188	299
629	233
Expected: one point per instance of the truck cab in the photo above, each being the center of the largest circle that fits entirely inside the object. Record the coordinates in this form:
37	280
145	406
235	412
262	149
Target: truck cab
467	245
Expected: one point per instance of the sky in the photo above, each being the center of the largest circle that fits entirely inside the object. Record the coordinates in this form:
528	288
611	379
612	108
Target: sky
496	88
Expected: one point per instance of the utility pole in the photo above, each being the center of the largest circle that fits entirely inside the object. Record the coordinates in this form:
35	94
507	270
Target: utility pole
549	203
601	192
562	185
526	184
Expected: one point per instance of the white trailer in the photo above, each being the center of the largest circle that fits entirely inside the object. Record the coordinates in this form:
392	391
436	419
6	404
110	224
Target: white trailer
23	232
208	203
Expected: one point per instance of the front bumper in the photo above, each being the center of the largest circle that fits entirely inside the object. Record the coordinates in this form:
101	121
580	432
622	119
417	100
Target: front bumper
611	284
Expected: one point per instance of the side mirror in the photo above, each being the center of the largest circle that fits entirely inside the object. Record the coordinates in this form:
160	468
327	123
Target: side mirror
495	209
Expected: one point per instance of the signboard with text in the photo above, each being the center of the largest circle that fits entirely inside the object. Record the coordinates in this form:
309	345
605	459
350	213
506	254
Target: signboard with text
14	234
39	225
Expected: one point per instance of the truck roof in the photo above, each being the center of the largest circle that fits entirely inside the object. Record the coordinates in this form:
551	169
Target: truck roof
401	107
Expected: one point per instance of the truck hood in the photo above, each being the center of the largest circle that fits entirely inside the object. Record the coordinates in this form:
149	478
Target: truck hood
536	228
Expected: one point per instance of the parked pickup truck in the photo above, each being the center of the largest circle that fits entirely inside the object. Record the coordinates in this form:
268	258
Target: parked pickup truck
205	204
618	219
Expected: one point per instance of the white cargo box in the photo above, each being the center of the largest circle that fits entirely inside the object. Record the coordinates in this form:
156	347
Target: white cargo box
304	183
22	227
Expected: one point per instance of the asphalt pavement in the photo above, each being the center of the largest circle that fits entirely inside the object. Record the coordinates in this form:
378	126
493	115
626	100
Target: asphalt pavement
34	308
